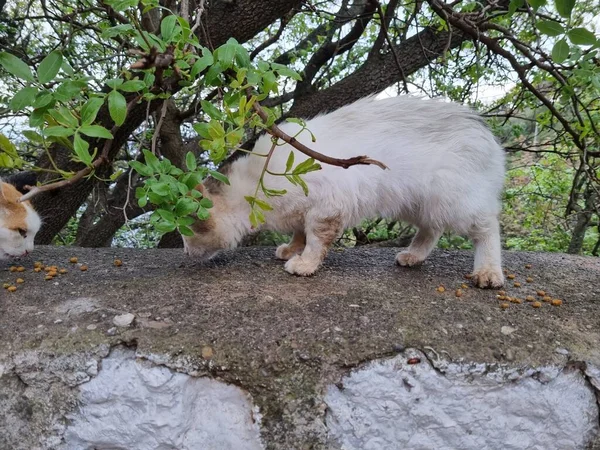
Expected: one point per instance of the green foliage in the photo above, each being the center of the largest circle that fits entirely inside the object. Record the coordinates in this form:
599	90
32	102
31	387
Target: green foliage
173	193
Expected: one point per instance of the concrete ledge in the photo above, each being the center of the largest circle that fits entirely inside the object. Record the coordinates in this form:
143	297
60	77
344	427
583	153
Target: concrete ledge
290	352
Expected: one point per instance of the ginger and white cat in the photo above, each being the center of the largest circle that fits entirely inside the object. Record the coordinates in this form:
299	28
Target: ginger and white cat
446	172
19	223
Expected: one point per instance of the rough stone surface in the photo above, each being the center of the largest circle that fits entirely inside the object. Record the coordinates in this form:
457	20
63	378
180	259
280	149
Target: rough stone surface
283	340
135	405
391	404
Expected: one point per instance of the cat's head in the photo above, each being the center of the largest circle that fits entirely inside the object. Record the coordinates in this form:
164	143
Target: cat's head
19	223
222	230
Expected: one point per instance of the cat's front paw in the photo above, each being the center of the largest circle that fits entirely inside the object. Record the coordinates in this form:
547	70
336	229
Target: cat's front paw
299	266
406	258
491	277
285	252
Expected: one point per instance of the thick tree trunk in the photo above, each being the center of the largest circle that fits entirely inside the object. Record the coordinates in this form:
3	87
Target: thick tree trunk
584	218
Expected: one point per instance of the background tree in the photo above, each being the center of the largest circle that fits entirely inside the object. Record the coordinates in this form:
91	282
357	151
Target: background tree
540	57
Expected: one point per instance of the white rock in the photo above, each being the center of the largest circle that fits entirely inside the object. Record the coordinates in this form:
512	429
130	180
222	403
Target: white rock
123	320
507	331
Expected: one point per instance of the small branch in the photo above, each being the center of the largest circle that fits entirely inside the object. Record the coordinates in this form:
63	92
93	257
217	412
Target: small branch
277	132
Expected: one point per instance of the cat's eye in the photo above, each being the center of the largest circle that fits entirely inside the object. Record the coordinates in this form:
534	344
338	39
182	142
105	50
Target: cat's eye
22	232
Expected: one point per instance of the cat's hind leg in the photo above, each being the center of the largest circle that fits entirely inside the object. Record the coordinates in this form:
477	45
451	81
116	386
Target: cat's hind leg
420	247
320	234
487	270
295	246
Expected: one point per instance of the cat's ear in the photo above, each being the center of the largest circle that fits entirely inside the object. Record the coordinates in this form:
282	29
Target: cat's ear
21	179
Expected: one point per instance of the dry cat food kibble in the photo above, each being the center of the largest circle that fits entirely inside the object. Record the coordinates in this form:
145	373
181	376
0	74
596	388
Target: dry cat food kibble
517	284
62	271
528	266
37	264
13	268
11	288
73	260
37	269
510	276
541	293
20	280
536	304
118	262
556	302
414	361
501	297
530	298
547	299
458	293
464	286
441	289
504	305
529	279
501	292
48	277
516	300
6	285
83	268
20	269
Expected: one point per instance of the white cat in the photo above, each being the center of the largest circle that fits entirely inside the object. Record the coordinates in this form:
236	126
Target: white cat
446	172
19	223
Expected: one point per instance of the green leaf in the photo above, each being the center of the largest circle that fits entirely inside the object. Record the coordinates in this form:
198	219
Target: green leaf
225	54
96	131
211	110
514	5
186	231
219	176
114	83
151	160
165	214
33	136
564	7
212	77
64	116
141	168
49	67
242	58
550	27
190	161
560	51
290	162
118	30
286	71
269	82
142	202
263	205
44	98
161	189
185	27
202	63
206	203
117	107
15	66
25	97
165	227
59	131
69	89
90	110
121	5
133	85
306	166
203	213
581	36
185	206
536	4
167	28
81	149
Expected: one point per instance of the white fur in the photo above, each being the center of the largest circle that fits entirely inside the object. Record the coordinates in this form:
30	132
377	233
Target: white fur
446	172
12	244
